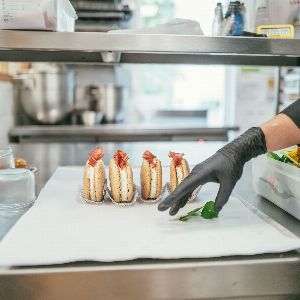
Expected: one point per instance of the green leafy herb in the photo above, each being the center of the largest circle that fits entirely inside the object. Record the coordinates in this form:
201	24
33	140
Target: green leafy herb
208	211
193	213
285	159
275	156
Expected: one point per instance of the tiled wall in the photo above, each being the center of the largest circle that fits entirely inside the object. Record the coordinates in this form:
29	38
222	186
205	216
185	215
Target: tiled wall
6	111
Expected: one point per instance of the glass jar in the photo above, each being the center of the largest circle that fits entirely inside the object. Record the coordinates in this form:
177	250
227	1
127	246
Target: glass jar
6	158
17	188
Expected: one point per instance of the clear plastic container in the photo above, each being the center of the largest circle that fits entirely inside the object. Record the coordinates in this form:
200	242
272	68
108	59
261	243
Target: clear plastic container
6	158
50	15
278	182
17	188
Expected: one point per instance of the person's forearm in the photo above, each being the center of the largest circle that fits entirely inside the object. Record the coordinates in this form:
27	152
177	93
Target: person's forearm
283	130
280	132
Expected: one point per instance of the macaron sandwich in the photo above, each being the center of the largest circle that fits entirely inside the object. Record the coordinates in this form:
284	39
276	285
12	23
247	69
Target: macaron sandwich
151	176
94	176
121	178
179	169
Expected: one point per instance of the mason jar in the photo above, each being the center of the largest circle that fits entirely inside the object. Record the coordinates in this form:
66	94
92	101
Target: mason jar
17	188
6	158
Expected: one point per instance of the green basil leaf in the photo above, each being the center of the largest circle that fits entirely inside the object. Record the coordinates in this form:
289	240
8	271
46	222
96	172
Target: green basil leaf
209	211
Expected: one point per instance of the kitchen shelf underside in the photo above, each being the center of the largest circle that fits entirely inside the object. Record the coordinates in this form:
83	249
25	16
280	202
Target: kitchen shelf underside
91	47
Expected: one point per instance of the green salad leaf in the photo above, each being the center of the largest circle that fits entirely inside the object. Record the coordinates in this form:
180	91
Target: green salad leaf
208	211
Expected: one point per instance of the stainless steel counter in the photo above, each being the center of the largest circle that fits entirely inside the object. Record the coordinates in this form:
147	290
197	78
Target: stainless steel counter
268	276
118	132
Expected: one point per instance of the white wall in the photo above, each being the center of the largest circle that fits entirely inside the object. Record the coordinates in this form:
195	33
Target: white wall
6	111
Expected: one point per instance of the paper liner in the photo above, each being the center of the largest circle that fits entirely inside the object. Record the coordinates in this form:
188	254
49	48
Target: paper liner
151	201
81	195
193	196
135	196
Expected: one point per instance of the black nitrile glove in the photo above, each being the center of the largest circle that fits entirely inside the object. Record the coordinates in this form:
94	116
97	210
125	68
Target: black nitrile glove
293	112
224	167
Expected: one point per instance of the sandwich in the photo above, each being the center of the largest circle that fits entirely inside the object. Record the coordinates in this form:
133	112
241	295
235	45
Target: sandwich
94	176
179	169
121	178
151	176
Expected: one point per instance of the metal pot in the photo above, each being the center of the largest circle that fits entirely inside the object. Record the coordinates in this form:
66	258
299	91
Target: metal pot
46	97
109	99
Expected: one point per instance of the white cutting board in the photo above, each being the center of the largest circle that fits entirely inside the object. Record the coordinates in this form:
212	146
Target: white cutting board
62	228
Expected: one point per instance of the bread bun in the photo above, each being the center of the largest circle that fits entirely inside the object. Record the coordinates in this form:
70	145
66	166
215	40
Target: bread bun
121	178
151	176
94	176
179	169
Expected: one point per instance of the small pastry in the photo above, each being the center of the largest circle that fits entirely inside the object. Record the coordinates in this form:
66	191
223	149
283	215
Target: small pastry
151	176
21	163
179	169
121	178
94	176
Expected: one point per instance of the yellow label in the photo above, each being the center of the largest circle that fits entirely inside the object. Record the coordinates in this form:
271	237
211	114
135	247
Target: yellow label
284	31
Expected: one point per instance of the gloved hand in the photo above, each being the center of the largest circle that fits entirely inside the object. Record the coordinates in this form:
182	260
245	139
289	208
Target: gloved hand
224	167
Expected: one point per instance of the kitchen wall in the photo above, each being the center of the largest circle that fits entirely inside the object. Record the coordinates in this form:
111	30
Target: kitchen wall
250	95
6	111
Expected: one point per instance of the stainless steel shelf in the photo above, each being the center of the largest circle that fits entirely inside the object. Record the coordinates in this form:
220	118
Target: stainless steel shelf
146	48
117	132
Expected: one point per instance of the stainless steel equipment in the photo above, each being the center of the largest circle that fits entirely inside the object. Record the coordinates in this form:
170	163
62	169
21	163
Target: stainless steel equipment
102	15
91	118
46	96
147	48
116	133
109	99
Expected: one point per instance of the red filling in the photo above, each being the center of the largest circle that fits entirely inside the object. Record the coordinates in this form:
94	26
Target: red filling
95	155
121	158
150	158
177	158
